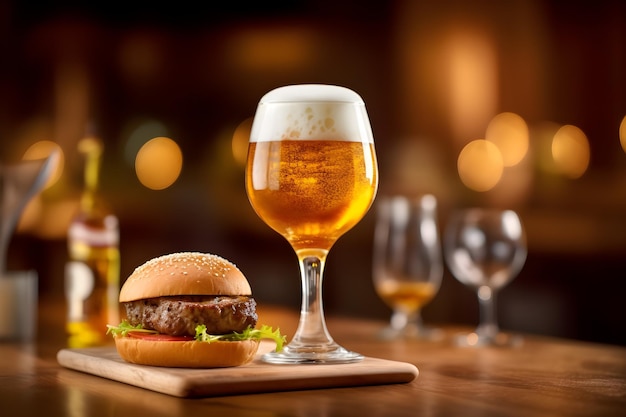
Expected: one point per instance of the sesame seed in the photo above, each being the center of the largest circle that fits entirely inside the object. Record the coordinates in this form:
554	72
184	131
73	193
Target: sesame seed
186	260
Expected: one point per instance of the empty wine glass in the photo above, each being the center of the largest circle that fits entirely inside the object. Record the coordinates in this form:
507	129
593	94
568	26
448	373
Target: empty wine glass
485	249
311	175
407	263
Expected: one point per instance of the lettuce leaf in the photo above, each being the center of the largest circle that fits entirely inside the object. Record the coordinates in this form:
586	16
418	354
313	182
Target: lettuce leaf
124	327
264	332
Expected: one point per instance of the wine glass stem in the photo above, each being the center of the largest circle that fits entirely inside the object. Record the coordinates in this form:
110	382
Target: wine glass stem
400	319
312	329
415	320
488	326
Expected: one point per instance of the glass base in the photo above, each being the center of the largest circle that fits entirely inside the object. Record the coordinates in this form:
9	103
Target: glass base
300	355
499	340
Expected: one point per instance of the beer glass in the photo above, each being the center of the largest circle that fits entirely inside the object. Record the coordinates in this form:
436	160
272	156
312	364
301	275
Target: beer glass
485	249
311	175
407	263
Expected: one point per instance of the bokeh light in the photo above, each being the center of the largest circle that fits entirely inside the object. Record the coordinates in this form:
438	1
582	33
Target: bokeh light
41	150
570	151
158	163
480	165
472	71
144	131
622	133
241	137
509	132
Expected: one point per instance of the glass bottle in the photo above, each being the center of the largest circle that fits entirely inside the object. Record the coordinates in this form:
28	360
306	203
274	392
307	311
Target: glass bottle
92	273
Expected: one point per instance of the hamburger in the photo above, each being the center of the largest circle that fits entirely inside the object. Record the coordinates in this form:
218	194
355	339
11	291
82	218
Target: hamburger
189	309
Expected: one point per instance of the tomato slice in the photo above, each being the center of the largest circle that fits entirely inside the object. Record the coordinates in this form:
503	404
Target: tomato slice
160	337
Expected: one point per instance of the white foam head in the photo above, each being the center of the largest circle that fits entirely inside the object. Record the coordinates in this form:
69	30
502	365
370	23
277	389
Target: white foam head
311	112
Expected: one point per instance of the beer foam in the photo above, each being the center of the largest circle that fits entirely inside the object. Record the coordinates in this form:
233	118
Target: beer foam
311	112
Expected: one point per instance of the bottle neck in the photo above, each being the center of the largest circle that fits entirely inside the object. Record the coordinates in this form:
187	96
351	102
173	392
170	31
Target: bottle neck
91	178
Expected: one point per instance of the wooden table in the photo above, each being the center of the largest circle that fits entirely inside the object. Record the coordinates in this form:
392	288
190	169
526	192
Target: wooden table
544	377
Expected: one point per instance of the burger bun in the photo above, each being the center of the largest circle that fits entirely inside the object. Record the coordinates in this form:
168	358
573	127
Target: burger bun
185	273
186	354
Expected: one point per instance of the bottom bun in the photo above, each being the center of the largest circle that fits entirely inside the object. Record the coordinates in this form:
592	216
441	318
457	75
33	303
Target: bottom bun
191	354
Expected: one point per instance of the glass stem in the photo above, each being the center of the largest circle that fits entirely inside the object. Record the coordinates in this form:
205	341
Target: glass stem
401	320
312	329
488	326
415	320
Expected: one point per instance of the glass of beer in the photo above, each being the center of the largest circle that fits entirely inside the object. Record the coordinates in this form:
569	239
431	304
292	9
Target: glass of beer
311	175
407	263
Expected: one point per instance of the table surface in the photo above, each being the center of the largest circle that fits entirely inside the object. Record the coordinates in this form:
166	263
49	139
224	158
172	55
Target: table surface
545	376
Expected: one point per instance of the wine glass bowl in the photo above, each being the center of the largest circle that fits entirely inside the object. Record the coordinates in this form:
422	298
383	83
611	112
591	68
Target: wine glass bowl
485	250
311	175
407	262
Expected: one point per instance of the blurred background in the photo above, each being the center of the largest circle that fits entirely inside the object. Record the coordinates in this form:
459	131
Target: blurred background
436	76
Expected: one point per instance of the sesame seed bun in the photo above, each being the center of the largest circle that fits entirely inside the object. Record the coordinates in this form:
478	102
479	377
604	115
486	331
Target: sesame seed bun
185	273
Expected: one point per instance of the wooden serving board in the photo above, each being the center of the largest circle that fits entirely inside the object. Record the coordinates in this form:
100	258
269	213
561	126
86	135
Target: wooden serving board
256	377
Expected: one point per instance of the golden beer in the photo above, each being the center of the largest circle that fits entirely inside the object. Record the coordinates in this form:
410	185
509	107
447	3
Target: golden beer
405	295
311	191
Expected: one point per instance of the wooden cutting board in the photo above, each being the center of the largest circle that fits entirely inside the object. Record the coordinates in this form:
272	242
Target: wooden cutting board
256	377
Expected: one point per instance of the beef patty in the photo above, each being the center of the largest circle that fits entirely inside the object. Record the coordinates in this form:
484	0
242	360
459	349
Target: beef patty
179	315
